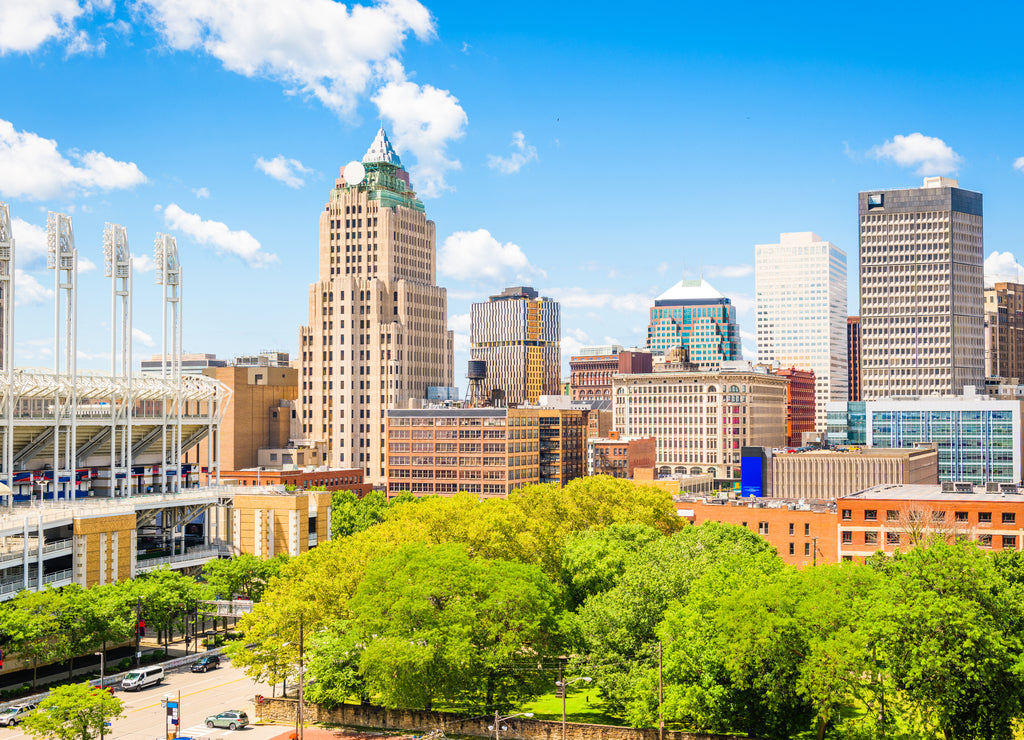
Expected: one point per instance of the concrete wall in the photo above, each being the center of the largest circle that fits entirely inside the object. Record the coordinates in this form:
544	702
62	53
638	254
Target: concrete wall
282	711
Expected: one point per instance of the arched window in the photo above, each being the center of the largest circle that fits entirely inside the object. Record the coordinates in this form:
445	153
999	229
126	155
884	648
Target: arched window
680	470
694	471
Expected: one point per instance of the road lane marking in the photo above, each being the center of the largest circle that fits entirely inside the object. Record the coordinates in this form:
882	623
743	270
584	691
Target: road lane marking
228	683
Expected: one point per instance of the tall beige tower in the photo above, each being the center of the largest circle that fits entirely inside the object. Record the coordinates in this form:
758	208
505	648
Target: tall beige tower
921	290
377	334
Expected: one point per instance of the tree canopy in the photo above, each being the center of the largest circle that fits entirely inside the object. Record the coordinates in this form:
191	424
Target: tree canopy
74	711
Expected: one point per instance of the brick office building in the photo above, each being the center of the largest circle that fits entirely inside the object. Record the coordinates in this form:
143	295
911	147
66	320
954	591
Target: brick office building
620	456
800	403
591	371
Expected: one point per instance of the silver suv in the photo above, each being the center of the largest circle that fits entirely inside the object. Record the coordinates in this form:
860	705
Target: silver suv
13	715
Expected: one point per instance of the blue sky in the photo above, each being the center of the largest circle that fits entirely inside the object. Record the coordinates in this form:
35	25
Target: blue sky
595	151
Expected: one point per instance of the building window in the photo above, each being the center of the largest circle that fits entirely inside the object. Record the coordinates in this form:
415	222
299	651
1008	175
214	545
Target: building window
792	528
1009	542
871	515
762	527
847	558
792	549
892	515
892	538
1009	517
960	516
807	530
938	516
807	548
985	540
984	517
871	538
847	538
847	515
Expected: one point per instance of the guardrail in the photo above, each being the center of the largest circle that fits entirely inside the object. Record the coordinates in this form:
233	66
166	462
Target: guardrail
33	581
196	553
116	678
33	549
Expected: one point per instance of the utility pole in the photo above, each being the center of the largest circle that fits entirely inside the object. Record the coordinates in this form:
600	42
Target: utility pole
298	714
561	685
814	541
661	698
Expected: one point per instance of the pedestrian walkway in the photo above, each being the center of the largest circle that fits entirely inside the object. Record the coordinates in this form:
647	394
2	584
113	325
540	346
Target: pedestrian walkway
206	732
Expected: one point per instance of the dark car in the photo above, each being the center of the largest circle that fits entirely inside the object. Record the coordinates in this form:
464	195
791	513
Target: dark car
206	663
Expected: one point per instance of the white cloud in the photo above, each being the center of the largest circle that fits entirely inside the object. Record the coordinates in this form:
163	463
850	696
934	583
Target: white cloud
522	153
81	43
459	322
218	235
141	337
143	263
744	303
729	271
25	26
201	193
424	119
332	52
284	170
29	243
1002	267
85	264
28	290
314	47
476	255
930	155
31	167
582	298
1018	164
662	268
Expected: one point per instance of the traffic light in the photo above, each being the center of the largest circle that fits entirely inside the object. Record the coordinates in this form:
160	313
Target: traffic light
1	658
142	627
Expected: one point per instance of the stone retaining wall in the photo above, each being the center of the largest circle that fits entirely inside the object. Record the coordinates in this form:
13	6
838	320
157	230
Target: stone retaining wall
282	711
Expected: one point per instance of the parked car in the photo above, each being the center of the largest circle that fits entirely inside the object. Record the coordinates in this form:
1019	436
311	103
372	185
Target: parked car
13	715
232	720
205	663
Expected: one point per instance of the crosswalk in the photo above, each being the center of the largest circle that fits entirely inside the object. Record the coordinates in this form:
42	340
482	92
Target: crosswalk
206	732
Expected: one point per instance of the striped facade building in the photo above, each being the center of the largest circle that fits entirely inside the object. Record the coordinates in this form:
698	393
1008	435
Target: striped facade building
518	334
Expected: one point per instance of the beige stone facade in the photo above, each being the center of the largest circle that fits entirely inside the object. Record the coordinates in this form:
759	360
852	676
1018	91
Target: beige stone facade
1004	331
104	549
921	290
377	334
266	524
830	475
701	420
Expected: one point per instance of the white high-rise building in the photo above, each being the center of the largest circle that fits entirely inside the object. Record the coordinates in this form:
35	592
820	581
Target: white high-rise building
922	310
801	312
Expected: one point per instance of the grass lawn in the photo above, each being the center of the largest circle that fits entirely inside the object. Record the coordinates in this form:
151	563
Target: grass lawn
581	705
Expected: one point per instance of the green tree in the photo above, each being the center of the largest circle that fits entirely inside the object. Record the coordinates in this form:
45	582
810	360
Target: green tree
246	576
594	560
73	712
439	625
351	514
949	635
620	624
32	623
163	597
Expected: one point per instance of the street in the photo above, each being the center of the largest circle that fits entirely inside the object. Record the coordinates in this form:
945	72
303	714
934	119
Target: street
202	694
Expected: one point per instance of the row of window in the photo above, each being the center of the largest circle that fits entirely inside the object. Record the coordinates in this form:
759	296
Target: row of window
915	515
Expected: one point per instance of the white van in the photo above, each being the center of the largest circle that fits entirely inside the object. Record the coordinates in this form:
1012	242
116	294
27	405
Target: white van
143	677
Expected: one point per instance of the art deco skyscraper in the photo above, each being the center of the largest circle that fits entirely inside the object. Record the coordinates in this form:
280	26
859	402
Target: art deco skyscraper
518	335
921	290
801	312
377	333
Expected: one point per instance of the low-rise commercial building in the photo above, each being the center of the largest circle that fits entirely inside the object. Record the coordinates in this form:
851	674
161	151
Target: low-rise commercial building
830	474
885	518
620	456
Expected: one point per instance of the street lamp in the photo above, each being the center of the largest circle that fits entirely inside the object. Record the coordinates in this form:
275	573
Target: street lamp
103	661
499	719
562	685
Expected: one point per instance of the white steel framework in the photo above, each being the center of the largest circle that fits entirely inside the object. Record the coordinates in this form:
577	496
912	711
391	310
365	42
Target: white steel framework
62	258
168	274
118	264
7	350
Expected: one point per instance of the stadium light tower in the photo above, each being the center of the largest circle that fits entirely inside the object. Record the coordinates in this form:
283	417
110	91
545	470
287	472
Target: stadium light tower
7	338
62	258
117	260
168	274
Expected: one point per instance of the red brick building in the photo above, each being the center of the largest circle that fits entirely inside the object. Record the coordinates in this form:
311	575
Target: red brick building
802	535
590	374
800	408
332	480
889	517
853	354
620	456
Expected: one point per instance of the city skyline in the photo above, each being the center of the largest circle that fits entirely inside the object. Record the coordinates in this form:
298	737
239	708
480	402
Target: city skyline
174	118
